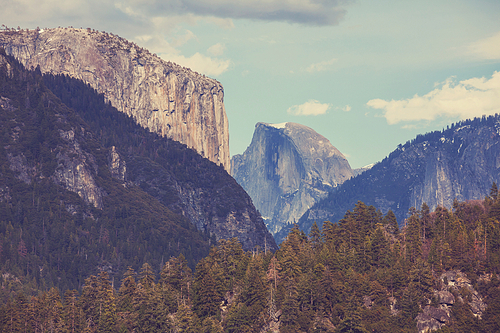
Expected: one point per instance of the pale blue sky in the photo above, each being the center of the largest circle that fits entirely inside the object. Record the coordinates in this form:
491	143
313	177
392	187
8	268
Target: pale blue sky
366	74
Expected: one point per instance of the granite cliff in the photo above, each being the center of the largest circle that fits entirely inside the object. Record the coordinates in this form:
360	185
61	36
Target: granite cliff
64	198
166	98
84	188
460	163
286	169
181	179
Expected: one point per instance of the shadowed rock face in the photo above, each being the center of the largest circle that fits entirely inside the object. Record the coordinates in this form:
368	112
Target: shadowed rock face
286	169
168	99
79	157
461	162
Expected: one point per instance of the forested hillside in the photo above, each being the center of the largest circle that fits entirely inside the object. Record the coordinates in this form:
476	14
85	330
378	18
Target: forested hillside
178	177
459	162
361	275
63	215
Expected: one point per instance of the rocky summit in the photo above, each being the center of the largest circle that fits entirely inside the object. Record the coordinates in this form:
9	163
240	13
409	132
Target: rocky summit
168	99
286	169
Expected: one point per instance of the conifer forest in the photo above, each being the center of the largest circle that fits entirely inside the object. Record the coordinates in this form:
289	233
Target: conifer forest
136	266
362	274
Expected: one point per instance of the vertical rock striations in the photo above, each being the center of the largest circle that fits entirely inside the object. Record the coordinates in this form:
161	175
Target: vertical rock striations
166	98
286	169
460	163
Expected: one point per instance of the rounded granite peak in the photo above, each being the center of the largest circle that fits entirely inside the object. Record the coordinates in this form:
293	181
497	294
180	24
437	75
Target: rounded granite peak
307	140
286	169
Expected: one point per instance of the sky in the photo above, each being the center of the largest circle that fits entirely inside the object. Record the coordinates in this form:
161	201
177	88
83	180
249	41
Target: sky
368	75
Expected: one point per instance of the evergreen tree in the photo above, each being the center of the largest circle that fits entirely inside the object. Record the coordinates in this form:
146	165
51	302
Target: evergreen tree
126	293
352	321
206	298
391	222
413	239
315	238
107	304
72	314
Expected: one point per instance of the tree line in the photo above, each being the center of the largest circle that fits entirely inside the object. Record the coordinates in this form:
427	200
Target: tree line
363	274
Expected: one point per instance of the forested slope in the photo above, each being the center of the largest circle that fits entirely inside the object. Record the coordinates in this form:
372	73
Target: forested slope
63	215
459	162
439	273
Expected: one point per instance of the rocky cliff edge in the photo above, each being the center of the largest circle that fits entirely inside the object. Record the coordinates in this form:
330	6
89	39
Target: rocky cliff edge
168	99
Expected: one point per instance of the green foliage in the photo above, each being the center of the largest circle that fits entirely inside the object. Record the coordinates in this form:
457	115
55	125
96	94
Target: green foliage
51	237
343	277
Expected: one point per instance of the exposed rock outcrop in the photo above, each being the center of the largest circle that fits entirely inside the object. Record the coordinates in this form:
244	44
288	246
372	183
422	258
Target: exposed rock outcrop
76	169
286	169
453	282
168	99
117	165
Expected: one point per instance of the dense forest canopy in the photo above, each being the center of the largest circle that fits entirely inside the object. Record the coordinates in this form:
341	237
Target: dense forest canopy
50	236
362	274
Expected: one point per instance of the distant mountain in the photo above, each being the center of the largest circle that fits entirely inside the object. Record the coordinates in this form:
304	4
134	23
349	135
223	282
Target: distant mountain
170	100
85	188
460	163
286	169
359	171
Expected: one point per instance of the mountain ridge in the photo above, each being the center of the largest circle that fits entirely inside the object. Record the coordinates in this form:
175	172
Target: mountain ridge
82	184
460	162
170	100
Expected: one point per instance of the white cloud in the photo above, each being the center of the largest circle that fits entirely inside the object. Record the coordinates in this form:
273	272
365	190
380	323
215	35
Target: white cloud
466	99
201	63
346	108
309	108
488	48
217	49
183	39
321	66
211	66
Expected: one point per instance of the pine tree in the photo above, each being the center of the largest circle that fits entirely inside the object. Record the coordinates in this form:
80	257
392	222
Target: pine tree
391	221
290	309
177	274
127	291
107	304
186	320
425	219
206	298
147	276
72	314
413	240
379	249
352	321
254	294
315	238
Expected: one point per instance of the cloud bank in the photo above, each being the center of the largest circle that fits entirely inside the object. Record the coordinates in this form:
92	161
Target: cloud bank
466	99
309	12
488	48
309	108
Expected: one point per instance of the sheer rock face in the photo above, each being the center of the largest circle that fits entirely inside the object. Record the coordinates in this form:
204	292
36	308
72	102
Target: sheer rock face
168	99
459	163
117	165
286	169
77	169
